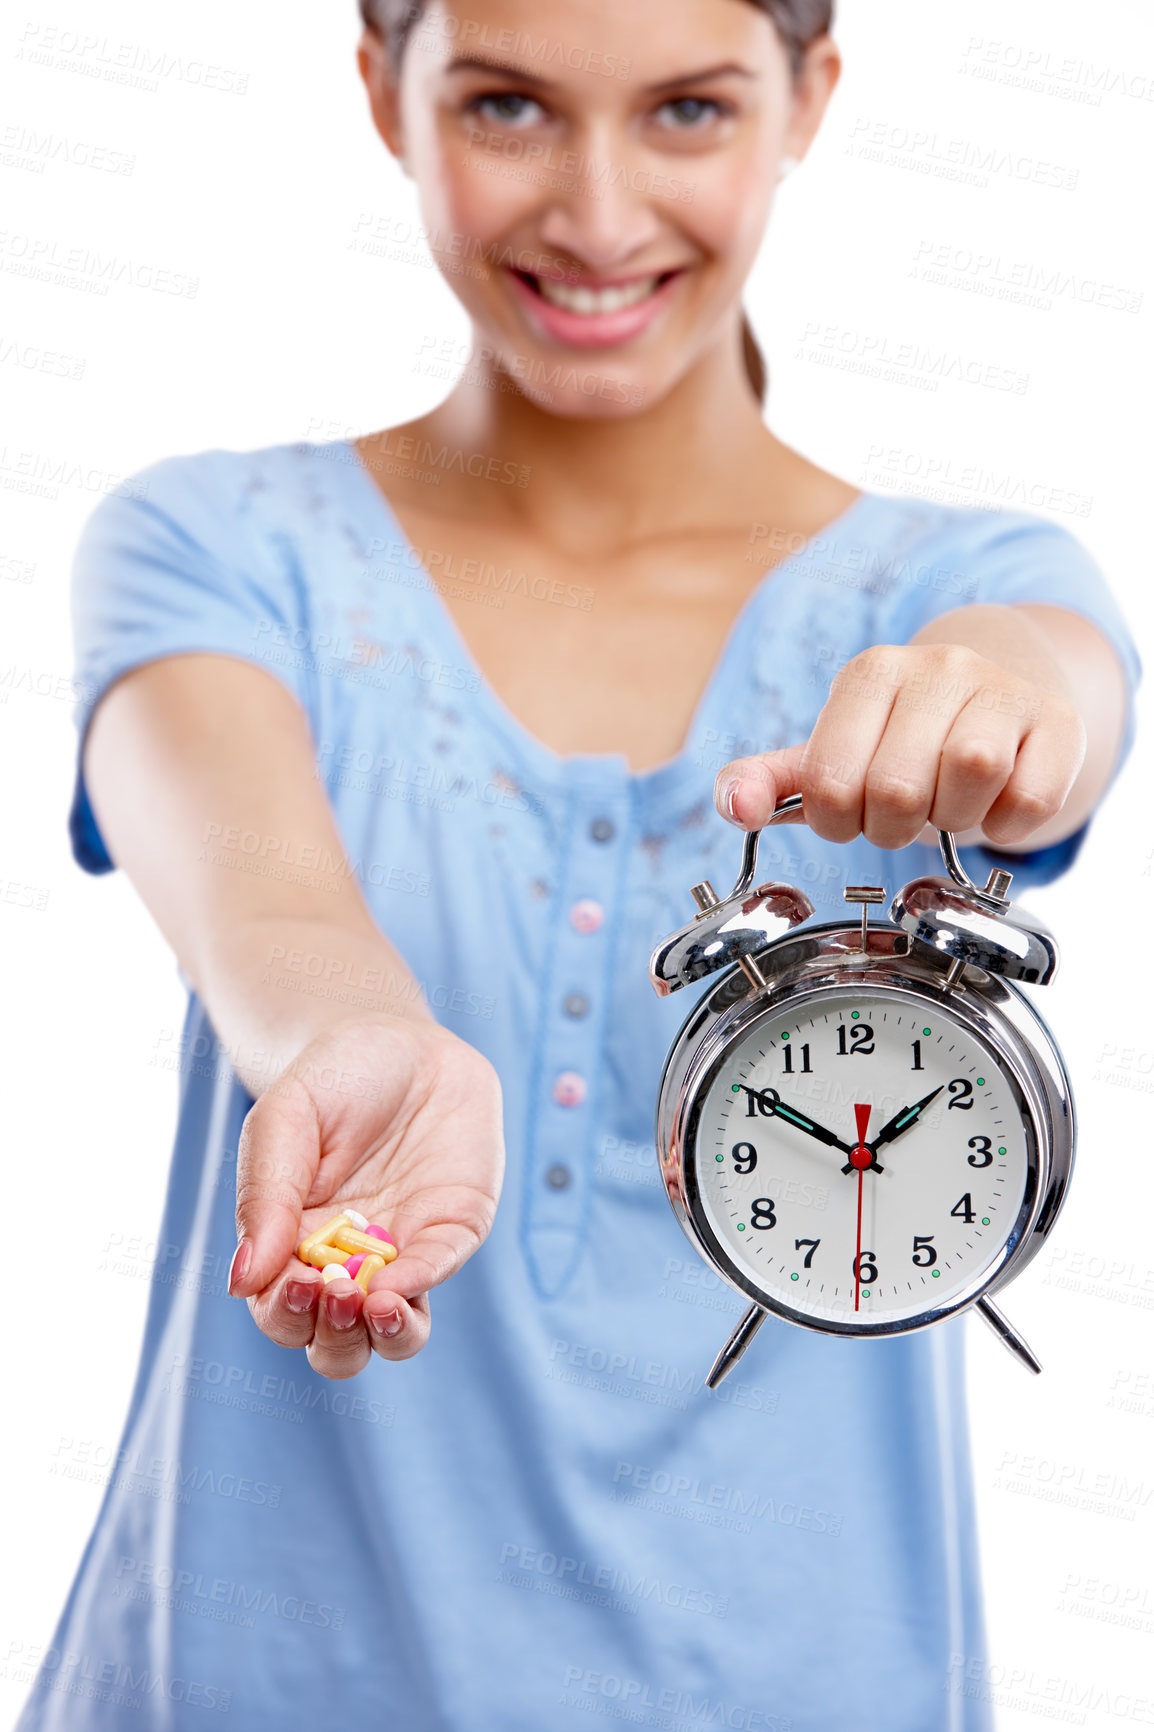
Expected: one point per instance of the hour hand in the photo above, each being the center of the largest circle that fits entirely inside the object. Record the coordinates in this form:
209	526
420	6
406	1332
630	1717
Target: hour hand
900	1122
770	1103
903	1120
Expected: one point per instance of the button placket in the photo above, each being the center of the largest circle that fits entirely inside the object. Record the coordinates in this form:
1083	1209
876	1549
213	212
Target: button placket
566	1103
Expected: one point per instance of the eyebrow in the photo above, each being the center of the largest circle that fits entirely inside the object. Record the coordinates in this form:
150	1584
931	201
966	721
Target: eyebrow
513	69
506	68
727	68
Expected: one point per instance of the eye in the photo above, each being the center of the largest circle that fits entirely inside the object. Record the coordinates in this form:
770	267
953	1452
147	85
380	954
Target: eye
689	113
508	108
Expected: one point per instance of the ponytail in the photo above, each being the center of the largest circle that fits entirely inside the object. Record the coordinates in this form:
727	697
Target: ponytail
755	367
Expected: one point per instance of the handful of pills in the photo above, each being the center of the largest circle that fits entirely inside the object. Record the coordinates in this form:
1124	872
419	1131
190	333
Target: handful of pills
350	1244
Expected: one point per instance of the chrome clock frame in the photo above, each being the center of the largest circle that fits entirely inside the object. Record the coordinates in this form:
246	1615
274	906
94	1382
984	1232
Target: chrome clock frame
829	961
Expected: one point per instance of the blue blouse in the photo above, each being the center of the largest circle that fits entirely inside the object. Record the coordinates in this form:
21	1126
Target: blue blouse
544	1515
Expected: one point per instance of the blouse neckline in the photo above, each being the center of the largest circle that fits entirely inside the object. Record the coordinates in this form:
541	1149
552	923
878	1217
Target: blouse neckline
604	769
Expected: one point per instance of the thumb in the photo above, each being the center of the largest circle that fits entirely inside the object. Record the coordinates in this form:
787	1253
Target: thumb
428	1258
748	789
276	1163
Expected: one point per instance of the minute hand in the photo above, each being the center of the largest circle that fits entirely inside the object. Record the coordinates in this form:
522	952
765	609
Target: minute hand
769	1101
899	1123
903	1120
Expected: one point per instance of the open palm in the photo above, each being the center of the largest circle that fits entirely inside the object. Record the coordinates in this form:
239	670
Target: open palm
395	1117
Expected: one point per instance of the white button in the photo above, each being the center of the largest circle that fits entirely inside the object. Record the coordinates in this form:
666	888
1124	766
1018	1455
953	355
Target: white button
586	915
570	1088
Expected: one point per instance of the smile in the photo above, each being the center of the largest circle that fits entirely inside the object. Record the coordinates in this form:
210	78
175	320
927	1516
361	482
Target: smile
594	315
576	298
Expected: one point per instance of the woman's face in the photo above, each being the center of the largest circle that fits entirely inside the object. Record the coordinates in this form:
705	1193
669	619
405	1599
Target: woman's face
595	177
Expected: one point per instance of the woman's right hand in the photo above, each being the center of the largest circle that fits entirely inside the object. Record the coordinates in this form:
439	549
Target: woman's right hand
390	1115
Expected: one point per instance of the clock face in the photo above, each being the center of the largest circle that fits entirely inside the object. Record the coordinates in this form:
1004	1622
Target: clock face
861	1158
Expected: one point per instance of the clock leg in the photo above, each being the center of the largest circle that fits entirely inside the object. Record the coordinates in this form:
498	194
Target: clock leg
1007	1334
736	1345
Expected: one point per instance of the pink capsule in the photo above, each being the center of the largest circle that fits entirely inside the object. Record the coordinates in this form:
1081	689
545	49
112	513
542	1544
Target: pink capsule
354	1264
379	1233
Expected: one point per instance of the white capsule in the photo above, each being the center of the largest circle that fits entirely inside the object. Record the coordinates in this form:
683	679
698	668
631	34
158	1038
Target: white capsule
335	1272
358	1220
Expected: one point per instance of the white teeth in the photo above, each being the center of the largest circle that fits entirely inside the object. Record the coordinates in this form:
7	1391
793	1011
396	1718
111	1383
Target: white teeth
591	302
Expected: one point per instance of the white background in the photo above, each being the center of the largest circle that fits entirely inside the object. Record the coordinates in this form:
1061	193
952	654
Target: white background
257	183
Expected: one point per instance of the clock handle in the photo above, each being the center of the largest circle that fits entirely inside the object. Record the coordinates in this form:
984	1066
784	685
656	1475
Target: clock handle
992	894
994	891
736	1346
792	803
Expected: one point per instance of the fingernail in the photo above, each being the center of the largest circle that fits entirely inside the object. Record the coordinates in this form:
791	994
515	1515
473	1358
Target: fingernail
300	1295
344	1311
388	1323
238	1268
728	799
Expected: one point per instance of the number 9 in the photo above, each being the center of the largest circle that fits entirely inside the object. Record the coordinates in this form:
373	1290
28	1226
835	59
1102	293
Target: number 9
744	1157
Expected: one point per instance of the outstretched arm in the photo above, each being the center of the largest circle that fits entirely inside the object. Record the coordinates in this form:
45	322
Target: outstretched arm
363	1099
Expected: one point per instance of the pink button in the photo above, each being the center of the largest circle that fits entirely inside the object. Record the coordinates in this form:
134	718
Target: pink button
586	915
570	1089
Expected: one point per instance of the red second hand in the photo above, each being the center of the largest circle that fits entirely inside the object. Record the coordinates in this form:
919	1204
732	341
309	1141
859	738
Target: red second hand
861	1156
857	1259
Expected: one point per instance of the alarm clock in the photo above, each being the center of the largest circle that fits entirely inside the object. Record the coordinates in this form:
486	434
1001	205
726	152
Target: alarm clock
863	1127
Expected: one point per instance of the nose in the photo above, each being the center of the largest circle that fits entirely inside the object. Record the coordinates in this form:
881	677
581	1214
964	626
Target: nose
602	215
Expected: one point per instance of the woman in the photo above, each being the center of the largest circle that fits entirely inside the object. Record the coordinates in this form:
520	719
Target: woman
412	853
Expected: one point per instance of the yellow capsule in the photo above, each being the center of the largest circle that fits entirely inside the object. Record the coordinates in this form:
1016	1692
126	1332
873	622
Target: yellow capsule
320	1256
323	1236
350	1240
367	1270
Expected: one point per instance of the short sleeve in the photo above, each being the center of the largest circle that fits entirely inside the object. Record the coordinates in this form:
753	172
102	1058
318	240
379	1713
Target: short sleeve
1014	558
175	562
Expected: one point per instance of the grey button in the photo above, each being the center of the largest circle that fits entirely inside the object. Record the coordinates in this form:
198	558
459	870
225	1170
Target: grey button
603	829
575	1004
558	1177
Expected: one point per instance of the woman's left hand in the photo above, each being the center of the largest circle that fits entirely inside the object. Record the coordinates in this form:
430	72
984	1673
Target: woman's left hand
916	735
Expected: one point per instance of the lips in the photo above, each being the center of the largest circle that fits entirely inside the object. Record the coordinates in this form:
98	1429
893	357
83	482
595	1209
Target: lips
594	315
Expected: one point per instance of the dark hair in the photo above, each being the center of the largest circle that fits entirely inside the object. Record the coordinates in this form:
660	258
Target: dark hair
798	22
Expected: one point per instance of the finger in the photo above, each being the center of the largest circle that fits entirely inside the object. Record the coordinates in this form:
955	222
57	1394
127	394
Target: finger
845	738
340	1346
747	791
285	1311
1045	769
398	1327
428	1258
277	1158
905	773
977	760
397	1309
